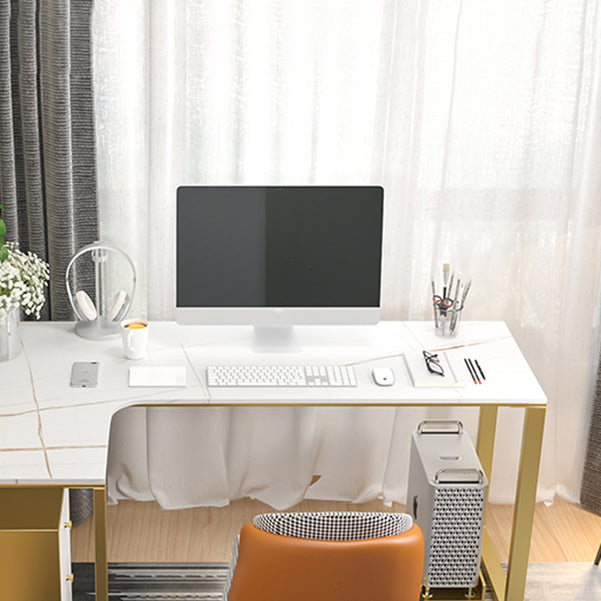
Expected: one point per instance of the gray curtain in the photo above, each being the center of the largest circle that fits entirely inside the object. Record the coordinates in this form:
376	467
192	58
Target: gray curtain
590	493
47	146
47	142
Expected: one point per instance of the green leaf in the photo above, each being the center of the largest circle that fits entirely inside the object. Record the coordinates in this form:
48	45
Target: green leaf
3	254
2	229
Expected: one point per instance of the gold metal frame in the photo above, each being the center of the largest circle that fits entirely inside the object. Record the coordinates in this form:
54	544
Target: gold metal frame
504	588
512	586
101	567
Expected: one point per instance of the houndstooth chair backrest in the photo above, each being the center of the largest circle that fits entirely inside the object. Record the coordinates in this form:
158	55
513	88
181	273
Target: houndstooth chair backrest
334	525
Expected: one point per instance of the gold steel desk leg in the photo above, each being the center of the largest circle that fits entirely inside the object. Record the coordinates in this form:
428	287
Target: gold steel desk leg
100	545
523	513
487	425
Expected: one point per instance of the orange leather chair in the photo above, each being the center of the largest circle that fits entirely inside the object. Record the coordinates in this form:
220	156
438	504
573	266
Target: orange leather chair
329	556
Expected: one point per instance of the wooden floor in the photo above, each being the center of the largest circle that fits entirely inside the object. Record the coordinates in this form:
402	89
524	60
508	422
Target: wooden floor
144	532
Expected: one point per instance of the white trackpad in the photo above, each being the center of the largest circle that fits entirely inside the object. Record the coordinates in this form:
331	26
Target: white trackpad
157	376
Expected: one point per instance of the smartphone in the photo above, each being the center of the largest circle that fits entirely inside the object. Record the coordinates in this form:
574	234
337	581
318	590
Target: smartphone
84	374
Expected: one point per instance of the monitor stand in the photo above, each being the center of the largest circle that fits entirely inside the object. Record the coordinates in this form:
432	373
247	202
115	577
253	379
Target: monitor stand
275	339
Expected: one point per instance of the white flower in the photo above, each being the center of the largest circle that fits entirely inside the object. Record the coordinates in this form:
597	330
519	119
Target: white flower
23	278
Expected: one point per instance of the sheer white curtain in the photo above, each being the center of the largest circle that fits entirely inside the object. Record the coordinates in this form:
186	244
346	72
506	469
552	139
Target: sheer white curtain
482	122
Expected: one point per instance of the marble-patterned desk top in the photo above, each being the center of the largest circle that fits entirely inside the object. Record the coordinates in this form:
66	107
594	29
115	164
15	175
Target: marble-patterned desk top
51	433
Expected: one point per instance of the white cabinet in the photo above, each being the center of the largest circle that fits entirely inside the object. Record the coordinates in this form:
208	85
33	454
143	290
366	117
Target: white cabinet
64	544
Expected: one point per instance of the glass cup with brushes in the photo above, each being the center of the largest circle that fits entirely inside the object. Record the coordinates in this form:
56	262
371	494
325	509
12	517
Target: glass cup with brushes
448	305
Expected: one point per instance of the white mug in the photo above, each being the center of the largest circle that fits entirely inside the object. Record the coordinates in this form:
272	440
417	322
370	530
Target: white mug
134	333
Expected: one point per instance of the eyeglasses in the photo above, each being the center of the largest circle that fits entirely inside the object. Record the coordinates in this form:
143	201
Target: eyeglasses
433	363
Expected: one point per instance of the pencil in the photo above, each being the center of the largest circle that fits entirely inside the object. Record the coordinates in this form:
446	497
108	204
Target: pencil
479	369
475	372
469	368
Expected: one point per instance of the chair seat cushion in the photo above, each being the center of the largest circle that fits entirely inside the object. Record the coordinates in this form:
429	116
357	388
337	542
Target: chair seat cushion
334	525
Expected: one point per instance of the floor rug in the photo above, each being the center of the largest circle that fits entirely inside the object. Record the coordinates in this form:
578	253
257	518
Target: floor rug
563	582
156	581
205	582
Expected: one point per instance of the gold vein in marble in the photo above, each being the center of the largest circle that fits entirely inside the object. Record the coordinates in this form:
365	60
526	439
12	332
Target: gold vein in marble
441	349
2	415
371	359
57	448
198	378
204	388
96	403
471	344
37	408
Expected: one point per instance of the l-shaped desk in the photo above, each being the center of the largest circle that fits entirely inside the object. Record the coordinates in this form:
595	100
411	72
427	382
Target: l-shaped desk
53	437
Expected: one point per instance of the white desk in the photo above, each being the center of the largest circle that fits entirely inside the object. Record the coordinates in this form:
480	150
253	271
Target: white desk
52	435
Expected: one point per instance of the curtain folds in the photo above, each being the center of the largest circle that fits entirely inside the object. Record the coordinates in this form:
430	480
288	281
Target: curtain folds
481	121
590	493
47	142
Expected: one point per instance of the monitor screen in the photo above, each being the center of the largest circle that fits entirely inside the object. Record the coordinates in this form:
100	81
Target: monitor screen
279	247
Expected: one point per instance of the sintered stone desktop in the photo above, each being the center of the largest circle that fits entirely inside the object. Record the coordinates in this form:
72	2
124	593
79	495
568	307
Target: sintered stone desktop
57	436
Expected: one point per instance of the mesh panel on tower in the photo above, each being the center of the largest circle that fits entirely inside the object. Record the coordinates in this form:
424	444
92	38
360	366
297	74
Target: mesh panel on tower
446	496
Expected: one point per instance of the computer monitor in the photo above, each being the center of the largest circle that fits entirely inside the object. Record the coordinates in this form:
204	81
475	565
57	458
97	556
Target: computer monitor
278	256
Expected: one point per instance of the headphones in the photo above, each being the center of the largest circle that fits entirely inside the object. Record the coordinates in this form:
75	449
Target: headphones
84	308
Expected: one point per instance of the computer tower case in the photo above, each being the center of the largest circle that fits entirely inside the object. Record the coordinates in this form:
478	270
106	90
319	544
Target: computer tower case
446	496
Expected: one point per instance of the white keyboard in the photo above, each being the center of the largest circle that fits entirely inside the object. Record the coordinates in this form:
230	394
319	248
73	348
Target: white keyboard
281	375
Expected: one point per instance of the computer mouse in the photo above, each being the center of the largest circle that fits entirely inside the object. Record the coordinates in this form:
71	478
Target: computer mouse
383	376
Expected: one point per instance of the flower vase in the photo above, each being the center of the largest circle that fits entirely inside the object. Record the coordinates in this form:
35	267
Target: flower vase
10	339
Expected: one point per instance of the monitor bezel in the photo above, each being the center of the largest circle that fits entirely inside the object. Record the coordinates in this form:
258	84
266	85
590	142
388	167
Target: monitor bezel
281	317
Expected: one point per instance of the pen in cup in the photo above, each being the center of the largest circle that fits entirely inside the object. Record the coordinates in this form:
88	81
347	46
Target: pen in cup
455	296
465	291
446	270
433	295
448	301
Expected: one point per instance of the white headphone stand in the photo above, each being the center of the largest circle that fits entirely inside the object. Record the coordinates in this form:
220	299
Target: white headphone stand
99	329
96	321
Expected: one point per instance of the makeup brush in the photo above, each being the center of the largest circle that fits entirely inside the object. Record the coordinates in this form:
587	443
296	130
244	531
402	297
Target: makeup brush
433	295
465	291
455	296
446	272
